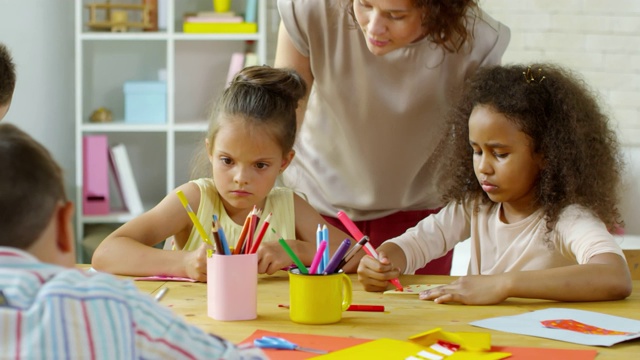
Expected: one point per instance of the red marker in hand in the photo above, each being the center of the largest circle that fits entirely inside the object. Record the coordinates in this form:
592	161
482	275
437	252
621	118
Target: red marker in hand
368	248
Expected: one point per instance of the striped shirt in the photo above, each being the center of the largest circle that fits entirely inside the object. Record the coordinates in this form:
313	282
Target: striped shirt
50	312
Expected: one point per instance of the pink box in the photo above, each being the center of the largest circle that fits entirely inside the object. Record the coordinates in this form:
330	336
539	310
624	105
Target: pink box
232	287
95	175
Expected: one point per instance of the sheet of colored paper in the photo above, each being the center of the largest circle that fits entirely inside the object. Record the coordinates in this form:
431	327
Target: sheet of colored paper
329	343
528	353
413	289
530	323
163	278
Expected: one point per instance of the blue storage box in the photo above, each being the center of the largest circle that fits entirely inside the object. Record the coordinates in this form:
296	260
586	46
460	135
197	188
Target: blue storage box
145	102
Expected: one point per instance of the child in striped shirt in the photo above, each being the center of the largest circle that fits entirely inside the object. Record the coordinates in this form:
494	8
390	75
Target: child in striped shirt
49	309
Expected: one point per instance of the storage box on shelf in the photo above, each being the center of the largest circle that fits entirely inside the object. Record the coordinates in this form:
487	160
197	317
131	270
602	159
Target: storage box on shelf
162	123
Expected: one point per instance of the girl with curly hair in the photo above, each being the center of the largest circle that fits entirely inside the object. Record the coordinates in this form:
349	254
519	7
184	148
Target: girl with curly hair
380	75
531	176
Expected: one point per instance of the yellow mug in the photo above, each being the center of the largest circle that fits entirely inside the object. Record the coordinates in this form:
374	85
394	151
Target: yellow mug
318	299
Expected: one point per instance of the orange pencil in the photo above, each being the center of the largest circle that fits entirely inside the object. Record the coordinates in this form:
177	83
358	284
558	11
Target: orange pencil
243	235
253	223
263	229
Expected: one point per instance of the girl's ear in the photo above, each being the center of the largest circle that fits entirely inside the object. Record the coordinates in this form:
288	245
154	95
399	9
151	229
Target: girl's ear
286	160
207	144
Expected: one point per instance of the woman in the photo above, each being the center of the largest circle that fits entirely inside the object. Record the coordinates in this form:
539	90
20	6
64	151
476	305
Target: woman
381	75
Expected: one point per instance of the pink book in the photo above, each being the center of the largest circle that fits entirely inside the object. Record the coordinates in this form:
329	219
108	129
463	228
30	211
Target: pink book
236	64
95	175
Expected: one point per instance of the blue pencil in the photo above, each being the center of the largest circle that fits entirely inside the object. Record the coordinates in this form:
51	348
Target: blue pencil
325	257
223	238
318	241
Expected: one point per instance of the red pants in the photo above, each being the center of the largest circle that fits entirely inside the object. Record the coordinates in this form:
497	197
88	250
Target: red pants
393	225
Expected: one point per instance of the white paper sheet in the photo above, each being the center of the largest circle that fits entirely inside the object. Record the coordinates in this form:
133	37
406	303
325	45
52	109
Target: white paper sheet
530	324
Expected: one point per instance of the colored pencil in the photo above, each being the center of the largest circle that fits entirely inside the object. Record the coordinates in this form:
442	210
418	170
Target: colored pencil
337	257
318	241
263	230
292	255
216	237
354	307
318	258
326	256
193	217
223	238
240	244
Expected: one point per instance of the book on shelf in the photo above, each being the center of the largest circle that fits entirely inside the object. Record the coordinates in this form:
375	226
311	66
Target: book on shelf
225	28
217	14
95	175
125	181
212	17
236	64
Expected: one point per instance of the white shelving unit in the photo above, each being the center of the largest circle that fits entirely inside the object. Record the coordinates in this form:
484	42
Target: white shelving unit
196	67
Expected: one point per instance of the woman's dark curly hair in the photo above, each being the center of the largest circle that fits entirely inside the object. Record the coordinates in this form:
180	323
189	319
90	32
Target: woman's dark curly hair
444	21
562	117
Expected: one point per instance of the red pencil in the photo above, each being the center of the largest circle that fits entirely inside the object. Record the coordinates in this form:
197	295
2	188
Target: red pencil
354	307
263	229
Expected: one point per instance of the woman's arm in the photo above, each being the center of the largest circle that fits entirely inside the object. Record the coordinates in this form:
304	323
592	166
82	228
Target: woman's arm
129	249
605	277
287	56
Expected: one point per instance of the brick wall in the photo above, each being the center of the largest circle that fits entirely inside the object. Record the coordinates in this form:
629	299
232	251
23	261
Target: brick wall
597	38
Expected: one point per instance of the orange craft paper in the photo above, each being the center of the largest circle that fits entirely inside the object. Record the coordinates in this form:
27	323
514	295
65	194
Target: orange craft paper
334	343
322	342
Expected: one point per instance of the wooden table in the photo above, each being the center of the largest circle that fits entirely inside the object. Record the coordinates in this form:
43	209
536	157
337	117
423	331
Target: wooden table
404	315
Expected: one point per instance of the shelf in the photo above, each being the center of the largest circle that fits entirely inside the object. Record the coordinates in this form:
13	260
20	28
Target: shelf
194	67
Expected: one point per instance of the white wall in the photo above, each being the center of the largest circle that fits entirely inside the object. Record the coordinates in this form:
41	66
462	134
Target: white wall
599	39
39	34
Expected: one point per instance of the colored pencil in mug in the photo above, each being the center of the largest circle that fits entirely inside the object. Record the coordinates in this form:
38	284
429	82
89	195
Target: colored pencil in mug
326	256
292	255
318	258
318	241
332	266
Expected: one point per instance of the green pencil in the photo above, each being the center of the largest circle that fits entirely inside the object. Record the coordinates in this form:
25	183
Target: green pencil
296	260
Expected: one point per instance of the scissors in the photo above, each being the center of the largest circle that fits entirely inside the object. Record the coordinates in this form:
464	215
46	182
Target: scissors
273	342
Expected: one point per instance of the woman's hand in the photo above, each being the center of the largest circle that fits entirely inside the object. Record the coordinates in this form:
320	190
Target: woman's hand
195	263
469	290
375	274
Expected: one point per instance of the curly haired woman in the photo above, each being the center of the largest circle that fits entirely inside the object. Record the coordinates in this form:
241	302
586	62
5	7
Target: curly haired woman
380	75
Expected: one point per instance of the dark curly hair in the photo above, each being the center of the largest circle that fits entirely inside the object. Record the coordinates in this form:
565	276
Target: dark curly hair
563	119
444	21
7	75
